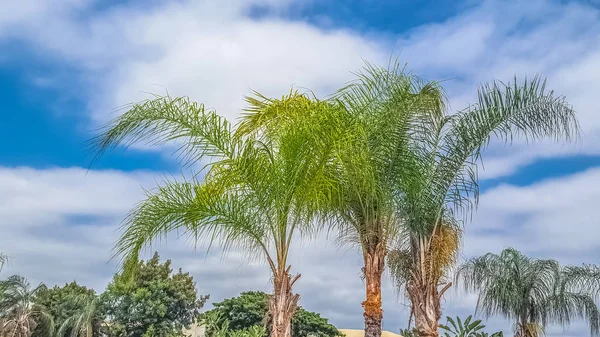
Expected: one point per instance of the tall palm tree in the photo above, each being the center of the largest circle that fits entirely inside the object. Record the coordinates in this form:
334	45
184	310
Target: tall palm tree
532	292
19	316
438	188
86	322
258	192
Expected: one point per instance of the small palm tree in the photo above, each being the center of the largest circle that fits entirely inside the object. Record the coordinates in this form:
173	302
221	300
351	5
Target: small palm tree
467	328
532	292
86	322
261	188
19	316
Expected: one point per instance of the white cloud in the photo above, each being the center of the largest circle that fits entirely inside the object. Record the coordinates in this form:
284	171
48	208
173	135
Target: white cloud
60	223
216	54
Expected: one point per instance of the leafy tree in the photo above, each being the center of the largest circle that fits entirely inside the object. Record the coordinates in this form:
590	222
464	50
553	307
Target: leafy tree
532	292
19	315
251	309
261	186
155	302
62	302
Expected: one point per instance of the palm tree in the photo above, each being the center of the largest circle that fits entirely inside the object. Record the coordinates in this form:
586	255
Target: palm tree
19	316
437	188
259	189
86	322
532	292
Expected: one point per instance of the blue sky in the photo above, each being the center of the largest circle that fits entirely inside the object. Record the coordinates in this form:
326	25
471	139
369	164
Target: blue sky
68	65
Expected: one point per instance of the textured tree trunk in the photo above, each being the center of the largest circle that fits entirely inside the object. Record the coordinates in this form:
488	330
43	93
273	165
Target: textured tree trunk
425	300
373	269
283	304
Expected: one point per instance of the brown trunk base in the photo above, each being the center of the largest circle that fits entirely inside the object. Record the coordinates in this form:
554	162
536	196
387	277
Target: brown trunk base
373	269
283	304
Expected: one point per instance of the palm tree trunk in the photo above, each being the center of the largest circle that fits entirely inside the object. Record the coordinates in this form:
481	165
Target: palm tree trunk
426	306
283	303
373	270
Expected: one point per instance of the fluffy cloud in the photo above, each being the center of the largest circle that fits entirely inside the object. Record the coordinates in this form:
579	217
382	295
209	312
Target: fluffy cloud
217	53
60	223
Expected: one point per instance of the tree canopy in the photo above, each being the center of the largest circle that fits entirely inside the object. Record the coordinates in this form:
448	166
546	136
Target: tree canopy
61	302
155	302
251	309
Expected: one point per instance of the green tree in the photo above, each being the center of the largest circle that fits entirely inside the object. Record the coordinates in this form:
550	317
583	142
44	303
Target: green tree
260	189
61	302
19	315
155	302
251	309
532	292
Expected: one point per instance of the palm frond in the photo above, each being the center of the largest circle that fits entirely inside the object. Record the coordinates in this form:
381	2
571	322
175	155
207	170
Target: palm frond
506	111
202	133
200	211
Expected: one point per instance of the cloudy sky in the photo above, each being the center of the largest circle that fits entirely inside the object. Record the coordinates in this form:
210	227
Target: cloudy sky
67	65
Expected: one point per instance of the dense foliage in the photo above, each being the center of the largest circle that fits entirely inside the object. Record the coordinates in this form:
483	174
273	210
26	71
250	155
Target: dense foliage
251	309
153	302
62	302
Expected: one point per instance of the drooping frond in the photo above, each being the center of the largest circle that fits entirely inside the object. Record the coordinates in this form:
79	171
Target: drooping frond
200	211
586	277
200	132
